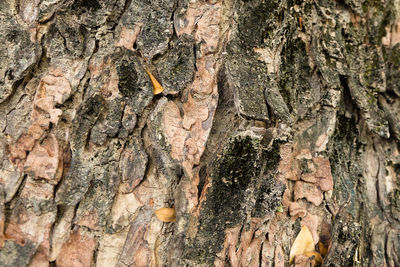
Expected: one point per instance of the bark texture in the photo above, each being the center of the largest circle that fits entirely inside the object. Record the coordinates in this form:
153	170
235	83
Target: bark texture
274	115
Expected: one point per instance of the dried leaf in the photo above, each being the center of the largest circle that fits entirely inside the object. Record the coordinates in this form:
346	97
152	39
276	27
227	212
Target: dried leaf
157	87
317	257
322	249
302	244
166	214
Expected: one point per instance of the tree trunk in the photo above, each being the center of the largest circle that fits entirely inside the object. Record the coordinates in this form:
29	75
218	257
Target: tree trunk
247	120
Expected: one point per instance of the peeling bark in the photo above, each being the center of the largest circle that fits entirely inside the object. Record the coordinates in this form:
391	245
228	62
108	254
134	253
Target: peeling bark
272	115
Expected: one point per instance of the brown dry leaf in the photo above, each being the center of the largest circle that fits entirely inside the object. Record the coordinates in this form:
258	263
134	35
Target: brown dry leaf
317	257
302	244
322	249
166	214
157	87
325	238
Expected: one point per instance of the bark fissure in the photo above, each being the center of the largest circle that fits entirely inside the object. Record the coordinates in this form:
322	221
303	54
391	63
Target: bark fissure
273	115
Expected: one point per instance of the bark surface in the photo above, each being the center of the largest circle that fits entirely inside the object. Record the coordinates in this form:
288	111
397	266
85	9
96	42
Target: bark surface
274	115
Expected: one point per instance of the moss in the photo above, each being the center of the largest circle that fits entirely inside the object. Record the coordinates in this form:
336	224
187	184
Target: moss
372	98
279	208
271	157
243	173
235	171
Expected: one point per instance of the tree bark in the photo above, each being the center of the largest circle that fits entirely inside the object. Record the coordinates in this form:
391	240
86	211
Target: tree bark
273	115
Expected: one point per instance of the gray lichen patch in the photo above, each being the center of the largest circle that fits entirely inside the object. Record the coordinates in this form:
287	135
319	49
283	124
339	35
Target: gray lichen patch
248	80
18	53
74	186
109	123
157	29
66	37
85	119
133	164
348	58
177	68
14	254
94	210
